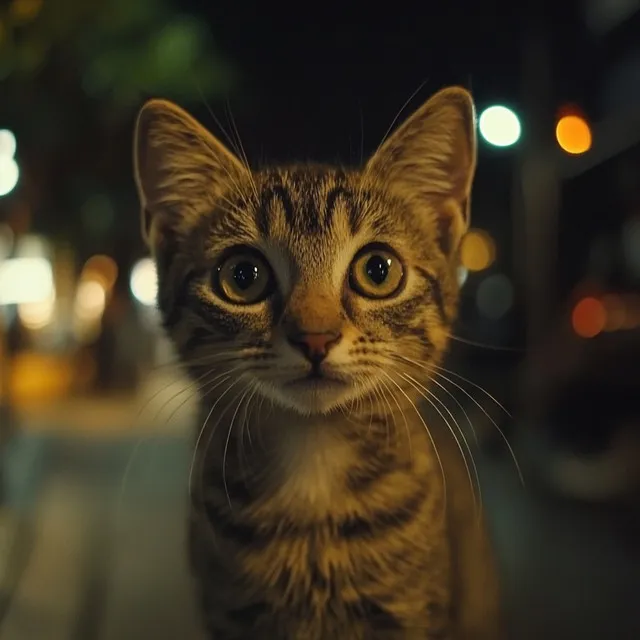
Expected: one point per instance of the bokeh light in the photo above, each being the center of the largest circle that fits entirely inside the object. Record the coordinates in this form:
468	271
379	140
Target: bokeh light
500	126
573	134
7	144
477	250
37	315
9	175
91	299
589	317
495	296
615	312
23	11
144	281
25	280
101	268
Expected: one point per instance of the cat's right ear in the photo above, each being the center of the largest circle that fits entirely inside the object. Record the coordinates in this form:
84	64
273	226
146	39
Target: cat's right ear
180	169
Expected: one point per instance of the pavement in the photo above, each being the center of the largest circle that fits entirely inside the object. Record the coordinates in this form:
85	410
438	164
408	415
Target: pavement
105	558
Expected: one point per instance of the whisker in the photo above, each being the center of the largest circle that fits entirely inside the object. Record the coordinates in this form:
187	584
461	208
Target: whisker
433	370
389	411
211	113
206	388
136	449
125	475
402	108
476	386
226	444
245	426
249	410
426	428
481	345
461	407
456	401
181	363
493	422
430	399
203	429
243	153
186	388
404	417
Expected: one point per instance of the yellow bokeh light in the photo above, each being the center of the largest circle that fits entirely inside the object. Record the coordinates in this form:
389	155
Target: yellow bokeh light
23	11
102	269
478	250
573	134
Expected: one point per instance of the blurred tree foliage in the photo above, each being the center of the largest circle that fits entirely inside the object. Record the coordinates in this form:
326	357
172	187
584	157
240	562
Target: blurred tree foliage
72	75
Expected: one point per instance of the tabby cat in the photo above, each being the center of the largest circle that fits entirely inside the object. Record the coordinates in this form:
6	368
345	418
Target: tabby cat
312	305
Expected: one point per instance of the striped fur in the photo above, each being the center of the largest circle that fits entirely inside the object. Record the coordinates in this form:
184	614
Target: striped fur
318	512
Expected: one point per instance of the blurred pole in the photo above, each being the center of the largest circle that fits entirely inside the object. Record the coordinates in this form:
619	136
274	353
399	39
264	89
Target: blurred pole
536	184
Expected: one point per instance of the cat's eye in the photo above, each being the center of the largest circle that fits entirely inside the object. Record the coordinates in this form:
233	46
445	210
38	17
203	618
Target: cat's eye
376	272
243	277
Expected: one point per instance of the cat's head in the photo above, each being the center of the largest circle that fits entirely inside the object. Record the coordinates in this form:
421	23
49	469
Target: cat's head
313	286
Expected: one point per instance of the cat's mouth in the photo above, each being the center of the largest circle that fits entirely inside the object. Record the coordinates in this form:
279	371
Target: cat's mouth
318	390
317	380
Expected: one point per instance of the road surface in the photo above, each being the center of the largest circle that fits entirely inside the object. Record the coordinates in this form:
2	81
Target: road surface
108	563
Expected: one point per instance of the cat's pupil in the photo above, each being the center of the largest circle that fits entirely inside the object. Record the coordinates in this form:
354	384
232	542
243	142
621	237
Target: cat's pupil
244	275
377	269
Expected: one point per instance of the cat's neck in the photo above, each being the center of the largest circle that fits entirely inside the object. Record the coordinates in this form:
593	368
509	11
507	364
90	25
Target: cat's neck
312	462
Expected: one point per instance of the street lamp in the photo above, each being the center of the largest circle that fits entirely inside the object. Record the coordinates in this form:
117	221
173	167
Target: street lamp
499	126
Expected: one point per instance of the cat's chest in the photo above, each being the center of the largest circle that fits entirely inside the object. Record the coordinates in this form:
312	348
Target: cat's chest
312	473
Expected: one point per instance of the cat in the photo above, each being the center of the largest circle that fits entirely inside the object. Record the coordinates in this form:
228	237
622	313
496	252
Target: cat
312	305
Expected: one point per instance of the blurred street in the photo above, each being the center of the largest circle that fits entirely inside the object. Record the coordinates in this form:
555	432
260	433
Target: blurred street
96	429
108	557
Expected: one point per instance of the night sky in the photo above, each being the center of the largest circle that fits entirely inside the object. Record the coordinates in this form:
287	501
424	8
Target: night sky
324	82
318	79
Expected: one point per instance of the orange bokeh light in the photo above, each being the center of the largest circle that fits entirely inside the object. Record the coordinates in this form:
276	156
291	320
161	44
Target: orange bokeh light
573	134
589	318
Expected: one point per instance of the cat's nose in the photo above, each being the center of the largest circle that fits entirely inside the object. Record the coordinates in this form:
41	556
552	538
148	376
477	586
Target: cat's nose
315	346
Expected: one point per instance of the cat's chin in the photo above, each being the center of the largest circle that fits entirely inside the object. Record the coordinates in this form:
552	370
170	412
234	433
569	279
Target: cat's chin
310	396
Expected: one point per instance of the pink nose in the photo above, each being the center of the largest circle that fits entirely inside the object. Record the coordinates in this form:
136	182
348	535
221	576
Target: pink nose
315	346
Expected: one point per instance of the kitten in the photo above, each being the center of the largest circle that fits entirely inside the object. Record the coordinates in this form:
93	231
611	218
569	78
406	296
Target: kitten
312	304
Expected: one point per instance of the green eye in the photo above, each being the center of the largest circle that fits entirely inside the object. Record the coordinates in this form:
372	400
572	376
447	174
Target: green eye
376	272
244	277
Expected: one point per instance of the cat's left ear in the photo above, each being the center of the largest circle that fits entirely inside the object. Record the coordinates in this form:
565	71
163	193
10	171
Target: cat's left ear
430	161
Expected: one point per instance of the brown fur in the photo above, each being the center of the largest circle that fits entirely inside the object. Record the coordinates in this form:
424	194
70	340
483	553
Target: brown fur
326	512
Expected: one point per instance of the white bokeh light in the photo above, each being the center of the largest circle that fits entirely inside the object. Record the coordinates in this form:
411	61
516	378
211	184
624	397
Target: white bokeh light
7	144
9	175
499	126
91	300
25	280
144	281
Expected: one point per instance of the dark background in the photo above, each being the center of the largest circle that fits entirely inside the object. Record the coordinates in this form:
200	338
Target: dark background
92	499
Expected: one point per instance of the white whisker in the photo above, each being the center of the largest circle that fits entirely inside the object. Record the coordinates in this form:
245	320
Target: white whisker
434	372
430	398
226	444
426	428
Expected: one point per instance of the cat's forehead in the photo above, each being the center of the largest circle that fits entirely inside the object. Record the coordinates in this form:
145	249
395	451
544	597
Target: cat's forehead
309	201
309	220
